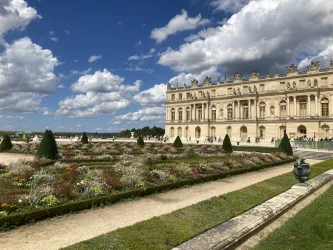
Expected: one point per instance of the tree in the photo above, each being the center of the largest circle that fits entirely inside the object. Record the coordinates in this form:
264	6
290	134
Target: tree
140	142
48	146
6	144
177	143
84	138
285	145
226	146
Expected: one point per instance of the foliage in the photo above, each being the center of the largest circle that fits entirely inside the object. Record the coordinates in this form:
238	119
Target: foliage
285	145
177	143
84	138
145	131
257	149
48	146
226	146
140	142
6	144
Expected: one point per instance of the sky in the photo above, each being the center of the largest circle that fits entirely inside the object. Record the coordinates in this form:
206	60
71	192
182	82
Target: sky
103	66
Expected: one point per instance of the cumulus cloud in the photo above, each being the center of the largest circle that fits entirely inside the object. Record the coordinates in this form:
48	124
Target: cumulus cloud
153	96
15	14
177	24
142	56
93	58
264	34
54	39
231	6
146	114
27	67
137	68
20	102
324	57
83	72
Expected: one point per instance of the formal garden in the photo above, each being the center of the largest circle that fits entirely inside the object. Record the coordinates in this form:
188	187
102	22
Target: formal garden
71	177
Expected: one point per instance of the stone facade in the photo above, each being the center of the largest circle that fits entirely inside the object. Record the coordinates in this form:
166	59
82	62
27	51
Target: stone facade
296	103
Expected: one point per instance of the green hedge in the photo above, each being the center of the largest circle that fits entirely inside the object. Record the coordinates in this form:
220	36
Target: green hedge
255	149
43	213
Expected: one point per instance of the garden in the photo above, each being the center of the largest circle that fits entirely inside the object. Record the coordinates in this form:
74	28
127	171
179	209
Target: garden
86	175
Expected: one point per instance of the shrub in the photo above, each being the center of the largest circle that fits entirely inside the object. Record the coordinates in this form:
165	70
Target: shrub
6	144
140	142
84	138
177	143
226	146
285	145
48	146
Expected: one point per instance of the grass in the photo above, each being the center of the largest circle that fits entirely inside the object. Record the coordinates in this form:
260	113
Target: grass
169	230
311	228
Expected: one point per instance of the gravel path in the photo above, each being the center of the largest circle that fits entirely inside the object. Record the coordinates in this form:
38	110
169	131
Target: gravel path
69	229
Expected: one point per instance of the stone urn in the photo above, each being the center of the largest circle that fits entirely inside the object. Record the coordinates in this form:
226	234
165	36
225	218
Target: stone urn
301	170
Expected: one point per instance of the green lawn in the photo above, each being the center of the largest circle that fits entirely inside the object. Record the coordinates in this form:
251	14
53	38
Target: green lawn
167	231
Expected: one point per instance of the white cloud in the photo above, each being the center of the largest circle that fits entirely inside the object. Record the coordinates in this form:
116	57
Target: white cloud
67	32
61	86
146	114
264	34
83	72
142	57
51	33
177	24
27	67
54	39
15	14
153	96
136	68
324	57
20	102
138	43
94	58
202	34
231	6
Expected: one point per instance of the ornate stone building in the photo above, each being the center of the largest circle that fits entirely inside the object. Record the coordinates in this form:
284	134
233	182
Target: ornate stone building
296	103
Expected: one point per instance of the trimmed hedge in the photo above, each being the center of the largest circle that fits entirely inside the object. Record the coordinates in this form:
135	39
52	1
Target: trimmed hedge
226	146
84	138
256	149
6	144
285	145
177	143
140	141
43	213
48	146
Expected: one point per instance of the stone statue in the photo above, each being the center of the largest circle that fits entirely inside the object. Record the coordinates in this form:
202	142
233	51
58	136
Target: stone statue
207	80
315	83
276	71
225	78
168	86
238	91
291	69
309	83
254	74
194	82
238	76
314	66
272	110
288	85
249	88
218	79
234	91
254	89
294	84
331	64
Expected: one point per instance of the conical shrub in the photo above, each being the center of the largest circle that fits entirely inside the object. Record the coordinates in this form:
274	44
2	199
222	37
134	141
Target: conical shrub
140	141
285	145
6	144
84	138
48	146
226	146
177	143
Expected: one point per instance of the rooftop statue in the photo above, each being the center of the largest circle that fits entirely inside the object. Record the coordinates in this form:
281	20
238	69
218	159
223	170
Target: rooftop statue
254	74
207	81
291	69
194	82
238	76
314	66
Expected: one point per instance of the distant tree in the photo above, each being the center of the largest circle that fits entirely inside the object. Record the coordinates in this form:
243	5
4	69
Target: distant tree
48	146
140	142
84	138
6	144
226	146
285	145
177	143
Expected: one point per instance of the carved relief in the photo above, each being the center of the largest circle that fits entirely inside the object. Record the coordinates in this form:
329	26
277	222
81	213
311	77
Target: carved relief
315	83
254	89
314	66
249	88
234	91
309	83
288	85
294	84
292	69
238	91
272	111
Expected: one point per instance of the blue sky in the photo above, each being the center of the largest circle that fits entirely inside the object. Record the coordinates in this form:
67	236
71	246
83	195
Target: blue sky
103	65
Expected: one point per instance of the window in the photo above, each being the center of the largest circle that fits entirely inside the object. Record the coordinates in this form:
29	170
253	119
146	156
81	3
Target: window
302	84
213	113
324	107
262	132
282	85
213	93
200	113
229	91
229	112
180	114
229	131
180	97
172	132
283	109
245	90
302	107
262	110
172	97
179	132
188	95
173	114
324	82
262	87
188	114
200	94
213	131
245	110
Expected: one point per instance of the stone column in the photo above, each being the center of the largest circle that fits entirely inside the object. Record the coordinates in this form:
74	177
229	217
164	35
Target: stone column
309	106
255	109
176	114
239	110
250	109
233	110
316	104
225	111
207	112
288	113
295	110
277	111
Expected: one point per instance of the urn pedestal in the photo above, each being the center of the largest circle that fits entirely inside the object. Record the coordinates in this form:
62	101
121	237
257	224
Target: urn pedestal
301	171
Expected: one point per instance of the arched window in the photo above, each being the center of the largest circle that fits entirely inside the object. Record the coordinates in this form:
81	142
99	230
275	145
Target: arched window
262	132
262	110
324	107
245	110
179	132
301	129
172	132
180	114
173	114
243	132
325	128
283	109
302	107
229	131
283	130
188	114
230	112
221	113
213	112
186	132
197	132
213	131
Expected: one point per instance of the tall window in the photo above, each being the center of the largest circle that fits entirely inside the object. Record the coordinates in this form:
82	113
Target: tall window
324	107
282	85
213	93
188	114
302	107
180	114
283	109
180	97
245	110
173	114
179	132
324	82
262	110
229	112
229	131
213	113
172	132
172	97
200	113
262	132
262	87
188	95
213	131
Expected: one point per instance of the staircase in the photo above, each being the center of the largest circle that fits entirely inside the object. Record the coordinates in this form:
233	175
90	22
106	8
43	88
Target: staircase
316	155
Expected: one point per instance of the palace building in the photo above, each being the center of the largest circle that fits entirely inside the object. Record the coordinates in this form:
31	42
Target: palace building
296	103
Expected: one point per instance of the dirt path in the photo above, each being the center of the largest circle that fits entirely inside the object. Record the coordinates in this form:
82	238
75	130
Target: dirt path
69	229
8	157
